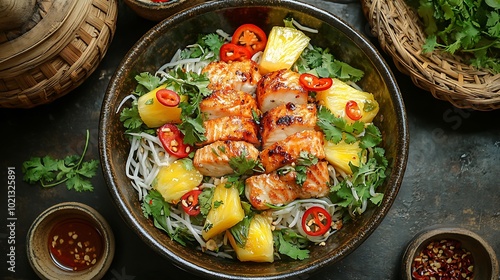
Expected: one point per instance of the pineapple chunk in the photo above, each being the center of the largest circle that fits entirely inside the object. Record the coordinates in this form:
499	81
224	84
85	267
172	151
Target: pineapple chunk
226	211
283	48
339	155
336	97
153	113
259	246
176	179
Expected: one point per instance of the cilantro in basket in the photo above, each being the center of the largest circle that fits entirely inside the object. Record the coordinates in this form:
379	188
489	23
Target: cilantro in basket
320	62
470	27
71	170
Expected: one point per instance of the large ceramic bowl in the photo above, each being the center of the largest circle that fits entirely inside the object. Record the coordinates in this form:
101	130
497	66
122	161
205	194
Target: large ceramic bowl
156	48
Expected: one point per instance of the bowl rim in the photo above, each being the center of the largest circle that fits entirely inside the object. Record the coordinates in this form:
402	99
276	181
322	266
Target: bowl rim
402	143
54	213
434	232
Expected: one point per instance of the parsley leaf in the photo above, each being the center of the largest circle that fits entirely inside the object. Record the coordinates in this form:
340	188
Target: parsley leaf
71	170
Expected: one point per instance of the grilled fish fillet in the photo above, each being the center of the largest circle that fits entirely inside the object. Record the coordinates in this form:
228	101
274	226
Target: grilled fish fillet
280	87
223	103
237	75
231	128
285	120
264	189
287	151
213	159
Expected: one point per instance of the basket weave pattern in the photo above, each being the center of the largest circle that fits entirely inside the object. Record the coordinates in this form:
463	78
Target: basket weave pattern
447	77
57	54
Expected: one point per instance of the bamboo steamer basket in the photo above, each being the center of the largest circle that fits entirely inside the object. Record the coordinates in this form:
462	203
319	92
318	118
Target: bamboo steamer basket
49	47
447	77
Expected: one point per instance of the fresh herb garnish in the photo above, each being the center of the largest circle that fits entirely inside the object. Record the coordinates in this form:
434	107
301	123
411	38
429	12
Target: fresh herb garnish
303	162
243	167
291	244
240	231
155	206
71	170
364	180
320	62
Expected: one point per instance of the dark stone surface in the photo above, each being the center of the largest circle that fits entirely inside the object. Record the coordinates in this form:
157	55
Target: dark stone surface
452	177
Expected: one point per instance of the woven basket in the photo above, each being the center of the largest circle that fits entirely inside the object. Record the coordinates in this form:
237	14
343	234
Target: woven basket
63	45
447	77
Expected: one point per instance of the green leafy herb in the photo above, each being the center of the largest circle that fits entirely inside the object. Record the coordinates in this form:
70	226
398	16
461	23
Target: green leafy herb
71	170
243	167
300	168
291	244
205	199
470	27
336	128
240	231
364	180
207	48
153	205
320	62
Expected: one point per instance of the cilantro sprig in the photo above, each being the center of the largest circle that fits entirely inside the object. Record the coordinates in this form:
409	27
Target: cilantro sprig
72	170
304	161
336	129
365	180
291	244
243	167
320	62
470	27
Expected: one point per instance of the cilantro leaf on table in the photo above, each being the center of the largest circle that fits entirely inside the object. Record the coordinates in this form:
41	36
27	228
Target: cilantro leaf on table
71	170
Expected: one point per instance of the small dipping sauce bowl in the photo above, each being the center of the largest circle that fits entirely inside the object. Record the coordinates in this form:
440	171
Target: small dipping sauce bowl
437	249
70	240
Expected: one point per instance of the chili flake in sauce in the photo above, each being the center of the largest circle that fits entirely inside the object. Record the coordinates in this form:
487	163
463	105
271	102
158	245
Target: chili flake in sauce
445	259
75	244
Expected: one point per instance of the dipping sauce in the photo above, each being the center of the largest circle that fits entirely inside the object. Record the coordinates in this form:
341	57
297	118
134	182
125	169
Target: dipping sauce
75	244
443	259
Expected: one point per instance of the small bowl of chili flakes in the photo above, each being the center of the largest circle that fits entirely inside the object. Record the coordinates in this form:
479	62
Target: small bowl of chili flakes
70	240
449	253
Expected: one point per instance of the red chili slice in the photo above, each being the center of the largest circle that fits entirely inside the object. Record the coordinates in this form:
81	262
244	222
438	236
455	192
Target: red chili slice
190	203
172	141
316	221
251	37
168	97
313	83
352	110
233	52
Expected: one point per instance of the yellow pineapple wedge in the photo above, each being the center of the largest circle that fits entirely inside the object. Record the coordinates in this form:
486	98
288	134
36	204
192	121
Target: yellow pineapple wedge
259	245
153	113
339	155
283	48
226	211
336	97
176	179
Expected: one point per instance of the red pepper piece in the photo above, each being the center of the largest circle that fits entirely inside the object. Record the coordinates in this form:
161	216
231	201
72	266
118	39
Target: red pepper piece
172	141
233	52
352	110
316	221
190	202
313	83
251	37
168	97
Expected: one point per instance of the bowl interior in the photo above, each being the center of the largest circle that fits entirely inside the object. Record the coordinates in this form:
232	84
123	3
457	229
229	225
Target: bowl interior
157	47
485	260
39	233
